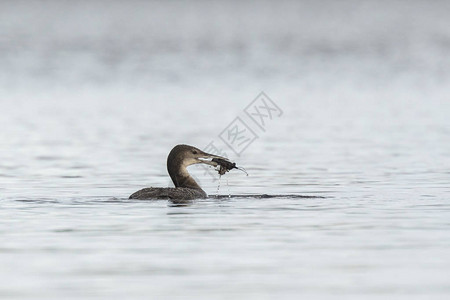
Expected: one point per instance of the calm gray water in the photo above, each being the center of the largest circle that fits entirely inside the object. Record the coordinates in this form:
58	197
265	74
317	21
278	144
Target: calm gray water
93	95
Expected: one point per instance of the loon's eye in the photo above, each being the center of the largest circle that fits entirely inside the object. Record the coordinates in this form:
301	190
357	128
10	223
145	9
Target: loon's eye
194	152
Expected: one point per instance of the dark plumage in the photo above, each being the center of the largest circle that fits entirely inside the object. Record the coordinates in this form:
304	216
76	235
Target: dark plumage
186	188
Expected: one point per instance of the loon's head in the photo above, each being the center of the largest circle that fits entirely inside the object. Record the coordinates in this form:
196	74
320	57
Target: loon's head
183	156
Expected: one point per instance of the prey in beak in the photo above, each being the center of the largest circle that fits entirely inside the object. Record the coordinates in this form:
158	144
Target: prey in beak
224	164
184	156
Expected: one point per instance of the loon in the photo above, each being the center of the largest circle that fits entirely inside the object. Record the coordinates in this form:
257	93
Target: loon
186	188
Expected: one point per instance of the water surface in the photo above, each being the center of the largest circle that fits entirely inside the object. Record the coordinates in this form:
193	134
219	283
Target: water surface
91	103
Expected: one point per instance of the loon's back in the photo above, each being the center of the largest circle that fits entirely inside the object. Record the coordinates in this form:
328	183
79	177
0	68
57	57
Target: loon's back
178	193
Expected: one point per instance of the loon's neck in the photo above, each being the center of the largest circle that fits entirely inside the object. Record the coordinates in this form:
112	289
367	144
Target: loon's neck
184	179
181	177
